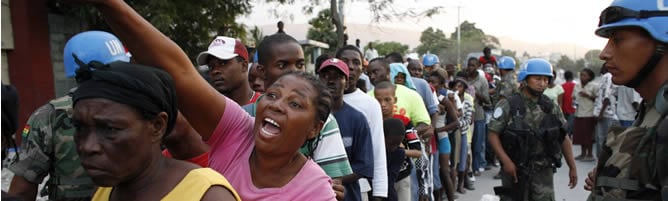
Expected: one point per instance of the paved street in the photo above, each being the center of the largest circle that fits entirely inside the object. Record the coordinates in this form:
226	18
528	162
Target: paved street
485	183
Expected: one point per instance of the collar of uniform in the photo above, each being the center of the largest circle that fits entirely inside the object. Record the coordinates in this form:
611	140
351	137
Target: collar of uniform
531	101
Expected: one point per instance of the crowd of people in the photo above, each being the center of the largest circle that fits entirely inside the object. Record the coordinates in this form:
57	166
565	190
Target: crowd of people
256	126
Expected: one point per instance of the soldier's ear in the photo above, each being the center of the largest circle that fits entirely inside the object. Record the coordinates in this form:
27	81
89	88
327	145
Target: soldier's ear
158	125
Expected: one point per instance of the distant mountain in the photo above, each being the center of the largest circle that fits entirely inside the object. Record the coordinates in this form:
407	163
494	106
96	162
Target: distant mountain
544	50
368	32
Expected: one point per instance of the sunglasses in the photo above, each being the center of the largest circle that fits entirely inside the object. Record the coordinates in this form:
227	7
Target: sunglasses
615	13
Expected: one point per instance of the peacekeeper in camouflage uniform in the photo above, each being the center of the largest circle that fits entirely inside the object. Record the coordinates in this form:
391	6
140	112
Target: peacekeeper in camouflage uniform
527	132
633	165
508	84
506	87
48	146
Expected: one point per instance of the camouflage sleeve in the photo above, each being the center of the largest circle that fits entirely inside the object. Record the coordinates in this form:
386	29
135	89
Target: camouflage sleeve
500	117
34	162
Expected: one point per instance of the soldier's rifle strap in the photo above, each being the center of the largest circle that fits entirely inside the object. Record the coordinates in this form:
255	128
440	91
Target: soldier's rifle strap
626	184
594	197
517	107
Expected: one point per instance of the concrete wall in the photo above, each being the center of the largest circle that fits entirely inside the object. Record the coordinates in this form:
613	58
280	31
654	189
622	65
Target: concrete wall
7	40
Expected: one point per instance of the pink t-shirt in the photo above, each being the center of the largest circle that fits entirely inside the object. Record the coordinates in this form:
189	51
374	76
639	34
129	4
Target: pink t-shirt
231	146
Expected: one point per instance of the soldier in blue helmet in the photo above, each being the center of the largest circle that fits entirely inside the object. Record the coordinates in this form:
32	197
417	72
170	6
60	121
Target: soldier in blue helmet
47	147
527	133
508	85
634	161
429	61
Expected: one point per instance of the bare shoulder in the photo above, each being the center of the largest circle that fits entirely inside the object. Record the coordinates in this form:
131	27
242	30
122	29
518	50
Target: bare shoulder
216	193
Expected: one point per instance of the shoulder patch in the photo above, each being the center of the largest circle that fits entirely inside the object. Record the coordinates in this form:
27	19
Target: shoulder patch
26	130
497	112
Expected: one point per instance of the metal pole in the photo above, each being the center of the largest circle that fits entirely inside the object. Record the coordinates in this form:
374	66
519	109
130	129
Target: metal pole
459	42
341	15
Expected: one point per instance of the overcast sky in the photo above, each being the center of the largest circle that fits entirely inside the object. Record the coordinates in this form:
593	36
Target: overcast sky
536	21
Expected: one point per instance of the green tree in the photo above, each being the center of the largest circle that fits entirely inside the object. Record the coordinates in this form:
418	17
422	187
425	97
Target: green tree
385	48
191	24
592	61
579	65
475	36
567	63
433	41
256	37
472	39
381	10
510	53
322	29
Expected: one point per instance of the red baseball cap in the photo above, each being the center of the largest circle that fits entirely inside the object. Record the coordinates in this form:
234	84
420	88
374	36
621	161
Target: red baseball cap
334	62
223	48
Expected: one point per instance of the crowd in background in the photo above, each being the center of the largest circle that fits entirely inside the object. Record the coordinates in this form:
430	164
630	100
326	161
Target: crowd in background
253	125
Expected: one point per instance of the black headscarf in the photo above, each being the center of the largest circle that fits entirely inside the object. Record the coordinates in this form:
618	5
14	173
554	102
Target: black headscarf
147	89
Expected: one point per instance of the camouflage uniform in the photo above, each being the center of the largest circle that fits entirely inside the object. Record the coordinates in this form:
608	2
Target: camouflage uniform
506	87
540	185
48	148
634	162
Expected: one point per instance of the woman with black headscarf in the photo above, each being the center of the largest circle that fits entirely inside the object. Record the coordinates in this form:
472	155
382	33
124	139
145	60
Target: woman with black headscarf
122	112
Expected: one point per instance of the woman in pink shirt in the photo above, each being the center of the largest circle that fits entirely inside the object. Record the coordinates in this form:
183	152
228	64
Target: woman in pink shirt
259	156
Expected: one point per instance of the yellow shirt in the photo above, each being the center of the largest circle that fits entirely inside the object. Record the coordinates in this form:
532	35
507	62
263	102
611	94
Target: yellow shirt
192	187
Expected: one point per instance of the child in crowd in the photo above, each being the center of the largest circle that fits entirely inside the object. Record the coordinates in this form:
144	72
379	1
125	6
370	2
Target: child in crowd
446	122
394	135
465	122
423	164
385	94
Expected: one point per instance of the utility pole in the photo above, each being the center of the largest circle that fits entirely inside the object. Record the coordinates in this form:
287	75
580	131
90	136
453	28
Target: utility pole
459	41
341	15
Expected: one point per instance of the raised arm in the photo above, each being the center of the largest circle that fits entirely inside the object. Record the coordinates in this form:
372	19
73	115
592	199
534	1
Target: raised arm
202	105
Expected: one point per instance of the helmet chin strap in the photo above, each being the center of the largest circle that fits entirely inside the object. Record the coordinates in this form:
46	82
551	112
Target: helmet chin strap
649	66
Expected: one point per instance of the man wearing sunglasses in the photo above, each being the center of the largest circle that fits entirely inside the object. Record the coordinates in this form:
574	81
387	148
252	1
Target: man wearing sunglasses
634	163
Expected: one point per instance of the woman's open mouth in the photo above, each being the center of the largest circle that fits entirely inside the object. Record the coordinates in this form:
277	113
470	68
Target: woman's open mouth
270	127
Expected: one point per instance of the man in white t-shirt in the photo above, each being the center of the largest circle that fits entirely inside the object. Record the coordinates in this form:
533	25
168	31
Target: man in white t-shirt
604	109
370	52
370	108
627	103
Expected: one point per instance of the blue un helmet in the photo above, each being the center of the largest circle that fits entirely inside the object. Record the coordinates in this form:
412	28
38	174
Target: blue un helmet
522	75
429	60
92	46
650	15
535	67
506	63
